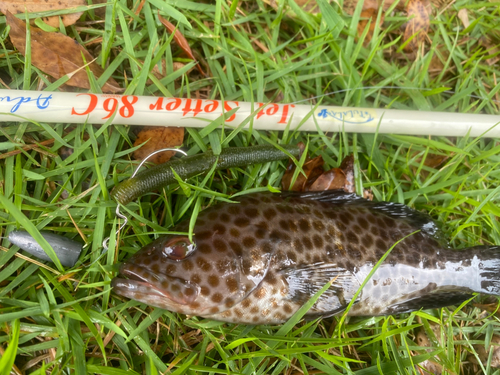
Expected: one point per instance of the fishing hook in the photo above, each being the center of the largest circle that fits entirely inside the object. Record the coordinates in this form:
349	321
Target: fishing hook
118	212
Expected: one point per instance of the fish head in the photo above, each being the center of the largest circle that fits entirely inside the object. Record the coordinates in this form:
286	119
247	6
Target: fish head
201	277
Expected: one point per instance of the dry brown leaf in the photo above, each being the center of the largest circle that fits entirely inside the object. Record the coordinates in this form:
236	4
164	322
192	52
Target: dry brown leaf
434	161
315	179
350	5
329	180
347	166
368	194
421	339
464	17
57	55
158	137
30	6
431	160
312	167
101	11
308	5
316	170
483	353
491	48
180	40
418	12
369	15
436	66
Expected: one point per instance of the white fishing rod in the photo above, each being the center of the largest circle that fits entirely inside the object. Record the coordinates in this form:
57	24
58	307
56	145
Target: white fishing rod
65	107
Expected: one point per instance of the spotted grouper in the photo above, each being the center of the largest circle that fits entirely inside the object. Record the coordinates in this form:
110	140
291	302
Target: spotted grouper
257	261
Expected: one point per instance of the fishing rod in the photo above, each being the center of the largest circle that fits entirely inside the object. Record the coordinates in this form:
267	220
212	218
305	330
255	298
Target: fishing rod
65	107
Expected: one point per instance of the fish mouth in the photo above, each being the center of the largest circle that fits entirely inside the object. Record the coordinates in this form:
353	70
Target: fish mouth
158	290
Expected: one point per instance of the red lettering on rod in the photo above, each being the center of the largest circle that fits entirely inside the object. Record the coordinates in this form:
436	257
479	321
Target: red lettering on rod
260	113
90	108
272	109
197	109
158	105
172	106
107	108
211	106
128	109
284	116
228	108
187	107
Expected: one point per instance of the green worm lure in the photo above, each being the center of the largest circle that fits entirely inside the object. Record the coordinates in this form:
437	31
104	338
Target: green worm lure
189	166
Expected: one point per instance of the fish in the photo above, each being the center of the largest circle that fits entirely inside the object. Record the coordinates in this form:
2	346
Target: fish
259	259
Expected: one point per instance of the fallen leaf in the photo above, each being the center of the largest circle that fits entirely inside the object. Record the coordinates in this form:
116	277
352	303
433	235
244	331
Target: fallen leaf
437	65
158	137
180	40
329	180
31	6
491	49
315	179
310	6
313	172
464	17
368	15
434	161
347	167
350	5
419	12
484	354
312	167
57	55
418	25
101	11
368	194
430	365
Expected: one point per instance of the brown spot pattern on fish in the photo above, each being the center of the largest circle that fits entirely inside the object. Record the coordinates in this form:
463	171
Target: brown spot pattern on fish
260	260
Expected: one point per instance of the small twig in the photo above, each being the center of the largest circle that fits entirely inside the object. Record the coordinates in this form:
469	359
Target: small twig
139	8
47	142
19	255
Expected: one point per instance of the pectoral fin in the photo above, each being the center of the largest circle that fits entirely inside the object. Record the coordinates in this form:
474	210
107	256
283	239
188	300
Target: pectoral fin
304	282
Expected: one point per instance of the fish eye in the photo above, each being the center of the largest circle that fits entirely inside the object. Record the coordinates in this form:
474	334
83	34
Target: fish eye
178	248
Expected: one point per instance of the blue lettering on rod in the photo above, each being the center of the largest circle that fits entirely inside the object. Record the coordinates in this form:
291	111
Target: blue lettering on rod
42	102
350	116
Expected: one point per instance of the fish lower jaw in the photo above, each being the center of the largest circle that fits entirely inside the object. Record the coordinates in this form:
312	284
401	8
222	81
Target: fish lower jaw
136	289
148	294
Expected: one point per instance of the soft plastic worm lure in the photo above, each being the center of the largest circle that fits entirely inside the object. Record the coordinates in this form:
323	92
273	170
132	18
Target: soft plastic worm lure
189	166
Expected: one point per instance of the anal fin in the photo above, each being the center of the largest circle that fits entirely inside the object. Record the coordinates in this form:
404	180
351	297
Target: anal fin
433	300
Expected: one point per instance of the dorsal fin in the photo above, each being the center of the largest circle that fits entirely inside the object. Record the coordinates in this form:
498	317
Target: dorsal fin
331	196
397	211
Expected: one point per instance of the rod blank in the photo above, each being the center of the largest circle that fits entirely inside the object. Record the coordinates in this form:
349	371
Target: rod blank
64	107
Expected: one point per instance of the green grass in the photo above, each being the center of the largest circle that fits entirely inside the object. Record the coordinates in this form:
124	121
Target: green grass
70	321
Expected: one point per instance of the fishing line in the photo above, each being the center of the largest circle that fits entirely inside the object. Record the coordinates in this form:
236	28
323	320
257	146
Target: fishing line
389	87
118	212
